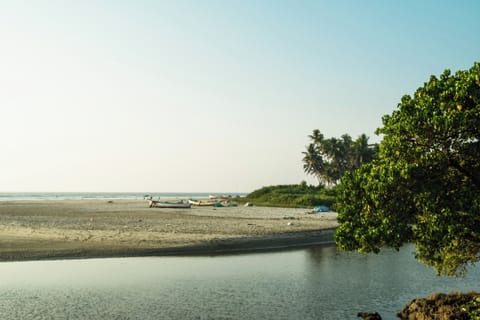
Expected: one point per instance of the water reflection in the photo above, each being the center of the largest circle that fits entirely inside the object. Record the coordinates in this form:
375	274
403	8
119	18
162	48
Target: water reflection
319	254
315	283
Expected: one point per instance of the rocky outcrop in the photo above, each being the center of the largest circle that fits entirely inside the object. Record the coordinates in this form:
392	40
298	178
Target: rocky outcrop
438	306
453	306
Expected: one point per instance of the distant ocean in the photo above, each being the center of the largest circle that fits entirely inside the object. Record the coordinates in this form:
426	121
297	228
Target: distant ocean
13	196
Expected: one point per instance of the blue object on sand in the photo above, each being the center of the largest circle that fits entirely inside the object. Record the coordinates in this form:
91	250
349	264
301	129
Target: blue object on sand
321	209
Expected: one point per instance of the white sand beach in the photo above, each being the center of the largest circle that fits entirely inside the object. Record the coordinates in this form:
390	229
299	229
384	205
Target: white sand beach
101	228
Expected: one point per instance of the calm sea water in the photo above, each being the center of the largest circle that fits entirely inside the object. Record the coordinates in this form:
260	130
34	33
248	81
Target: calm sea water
13	196
315	283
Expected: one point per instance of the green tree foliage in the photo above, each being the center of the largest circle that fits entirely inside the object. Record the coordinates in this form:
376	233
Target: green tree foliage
425	185
329	159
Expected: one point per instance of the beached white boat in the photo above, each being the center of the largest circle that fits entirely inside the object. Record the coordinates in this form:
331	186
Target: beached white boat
164	204
202	203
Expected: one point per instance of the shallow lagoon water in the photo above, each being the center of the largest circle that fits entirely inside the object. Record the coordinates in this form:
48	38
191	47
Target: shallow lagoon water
313	283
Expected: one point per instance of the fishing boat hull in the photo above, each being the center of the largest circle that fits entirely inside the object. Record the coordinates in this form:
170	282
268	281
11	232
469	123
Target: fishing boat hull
202	203
159	204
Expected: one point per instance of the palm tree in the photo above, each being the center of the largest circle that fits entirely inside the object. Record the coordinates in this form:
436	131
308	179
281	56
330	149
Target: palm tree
329	159
313	163
316	137
362	151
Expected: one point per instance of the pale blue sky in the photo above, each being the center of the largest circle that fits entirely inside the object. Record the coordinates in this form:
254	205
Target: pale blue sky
206	95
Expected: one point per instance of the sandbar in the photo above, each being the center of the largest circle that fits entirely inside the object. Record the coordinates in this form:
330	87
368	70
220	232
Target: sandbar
62	229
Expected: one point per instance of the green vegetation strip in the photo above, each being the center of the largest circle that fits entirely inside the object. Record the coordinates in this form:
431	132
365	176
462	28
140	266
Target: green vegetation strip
292	196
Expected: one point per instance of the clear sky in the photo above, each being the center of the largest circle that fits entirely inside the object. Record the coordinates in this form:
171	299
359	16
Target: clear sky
212	96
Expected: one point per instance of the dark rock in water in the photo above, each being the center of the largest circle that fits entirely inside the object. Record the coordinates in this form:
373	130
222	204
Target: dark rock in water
369	315
455	306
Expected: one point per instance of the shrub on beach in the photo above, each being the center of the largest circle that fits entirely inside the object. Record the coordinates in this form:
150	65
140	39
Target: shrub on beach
293	195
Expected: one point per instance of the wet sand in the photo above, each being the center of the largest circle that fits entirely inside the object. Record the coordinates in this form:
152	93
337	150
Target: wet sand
31	230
